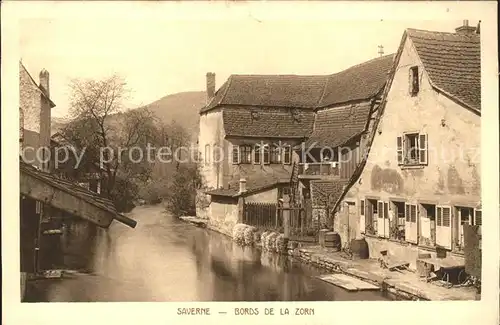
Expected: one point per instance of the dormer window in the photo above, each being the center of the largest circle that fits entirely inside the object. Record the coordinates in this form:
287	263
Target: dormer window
414	82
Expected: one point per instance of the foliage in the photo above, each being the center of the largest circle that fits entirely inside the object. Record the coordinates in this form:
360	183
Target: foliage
123	194
181	198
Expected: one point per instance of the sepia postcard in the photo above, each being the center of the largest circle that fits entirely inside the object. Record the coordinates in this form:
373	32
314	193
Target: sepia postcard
277	162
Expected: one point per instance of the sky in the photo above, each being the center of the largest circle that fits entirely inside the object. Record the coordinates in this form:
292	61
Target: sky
162	57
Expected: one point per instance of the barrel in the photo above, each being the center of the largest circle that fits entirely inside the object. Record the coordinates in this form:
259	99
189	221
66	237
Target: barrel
359	249
332	241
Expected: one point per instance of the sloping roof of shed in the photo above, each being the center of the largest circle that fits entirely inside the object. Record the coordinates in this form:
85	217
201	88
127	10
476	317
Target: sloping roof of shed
323	192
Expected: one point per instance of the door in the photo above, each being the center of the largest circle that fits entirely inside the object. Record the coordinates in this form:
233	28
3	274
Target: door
362	221
443	227
411	229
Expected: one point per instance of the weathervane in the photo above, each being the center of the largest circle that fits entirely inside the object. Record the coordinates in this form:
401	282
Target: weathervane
381	50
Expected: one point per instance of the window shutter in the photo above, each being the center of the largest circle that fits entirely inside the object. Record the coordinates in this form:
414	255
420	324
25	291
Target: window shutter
413	209
446	217
287	155
386	210
439	217
380	209
265	154
399	143
257	153
362	207
478	219
236	154
407	213
423	148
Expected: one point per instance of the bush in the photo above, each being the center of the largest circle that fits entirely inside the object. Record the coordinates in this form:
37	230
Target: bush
124	194
180	198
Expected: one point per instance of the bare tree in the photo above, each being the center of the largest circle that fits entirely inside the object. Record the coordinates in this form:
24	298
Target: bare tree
100	126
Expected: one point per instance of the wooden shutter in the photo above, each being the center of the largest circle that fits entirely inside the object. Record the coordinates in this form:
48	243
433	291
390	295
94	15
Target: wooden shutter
413	210
407	213
265	154
380	209
287	155
257	154
399	143
362	207
236	154
386	210
423	149
439	216
478	218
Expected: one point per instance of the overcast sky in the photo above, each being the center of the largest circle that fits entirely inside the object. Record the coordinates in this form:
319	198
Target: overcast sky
158	58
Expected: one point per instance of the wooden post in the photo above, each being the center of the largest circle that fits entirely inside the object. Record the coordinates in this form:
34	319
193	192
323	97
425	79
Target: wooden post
286	216
39	237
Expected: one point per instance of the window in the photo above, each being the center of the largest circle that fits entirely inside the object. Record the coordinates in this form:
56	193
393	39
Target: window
478	219
414	82
245	154
236	154
275	154
412	149
265	154
287	155
411	213
362	207
257	154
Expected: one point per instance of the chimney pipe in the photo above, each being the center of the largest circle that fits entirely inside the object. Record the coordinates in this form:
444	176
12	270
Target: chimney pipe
243	185
210	85
465	29
44	81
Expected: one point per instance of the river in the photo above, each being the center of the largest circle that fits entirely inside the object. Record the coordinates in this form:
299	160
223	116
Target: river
164	259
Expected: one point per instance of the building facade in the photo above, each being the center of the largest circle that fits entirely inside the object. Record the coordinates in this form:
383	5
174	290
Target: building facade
421	181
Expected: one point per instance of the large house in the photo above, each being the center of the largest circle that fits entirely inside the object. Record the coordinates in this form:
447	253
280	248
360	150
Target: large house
253	133
420	182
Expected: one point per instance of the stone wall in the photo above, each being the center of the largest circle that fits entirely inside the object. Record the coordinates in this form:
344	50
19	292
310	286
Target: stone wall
223	214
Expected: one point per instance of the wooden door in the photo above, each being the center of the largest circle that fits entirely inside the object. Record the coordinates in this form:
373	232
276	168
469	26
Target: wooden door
383	229
443	227
411	226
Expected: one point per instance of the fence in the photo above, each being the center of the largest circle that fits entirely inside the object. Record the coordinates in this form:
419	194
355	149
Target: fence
270	216
262	215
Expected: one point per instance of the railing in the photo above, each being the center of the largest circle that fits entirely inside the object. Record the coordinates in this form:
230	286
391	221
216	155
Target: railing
331	169
262	215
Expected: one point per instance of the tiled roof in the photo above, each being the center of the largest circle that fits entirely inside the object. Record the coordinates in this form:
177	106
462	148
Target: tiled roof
322	191
359	82
336	126
255	181
72	189
271	90
453	63
309	92
267	122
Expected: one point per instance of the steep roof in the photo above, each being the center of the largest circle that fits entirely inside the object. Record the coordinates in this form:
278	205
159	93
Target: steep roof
267	122
453	63
336	126
37	86
323	192
358	82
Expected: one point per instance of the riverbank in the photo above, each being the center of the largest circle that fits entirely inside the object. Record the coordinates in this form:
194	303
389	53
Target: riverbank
404	284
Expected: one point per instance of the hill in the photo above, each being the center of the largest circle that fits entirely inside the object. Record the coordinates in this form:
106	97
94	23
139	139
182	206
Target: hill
180	107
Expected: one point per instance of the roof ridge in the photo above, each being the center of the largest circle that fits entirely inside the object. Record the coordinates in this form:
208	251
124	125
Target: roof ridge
441	32
363	63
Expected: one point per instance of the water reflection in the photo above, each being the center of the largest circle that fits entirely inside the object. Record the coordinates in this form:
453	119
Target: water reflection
164	259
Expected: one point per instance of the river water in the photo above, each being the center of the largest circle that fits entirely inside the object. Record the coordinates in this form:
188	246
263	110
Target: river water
164	259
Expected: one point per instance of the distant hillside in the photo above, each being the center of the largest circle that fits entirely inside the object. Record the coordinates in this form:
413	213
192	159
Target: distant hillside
181	107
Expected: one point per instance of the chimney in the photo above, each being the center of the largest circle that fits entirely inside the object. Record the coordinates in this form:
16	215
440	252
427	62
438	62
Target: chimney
210	85
465	29
44	81
243	185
